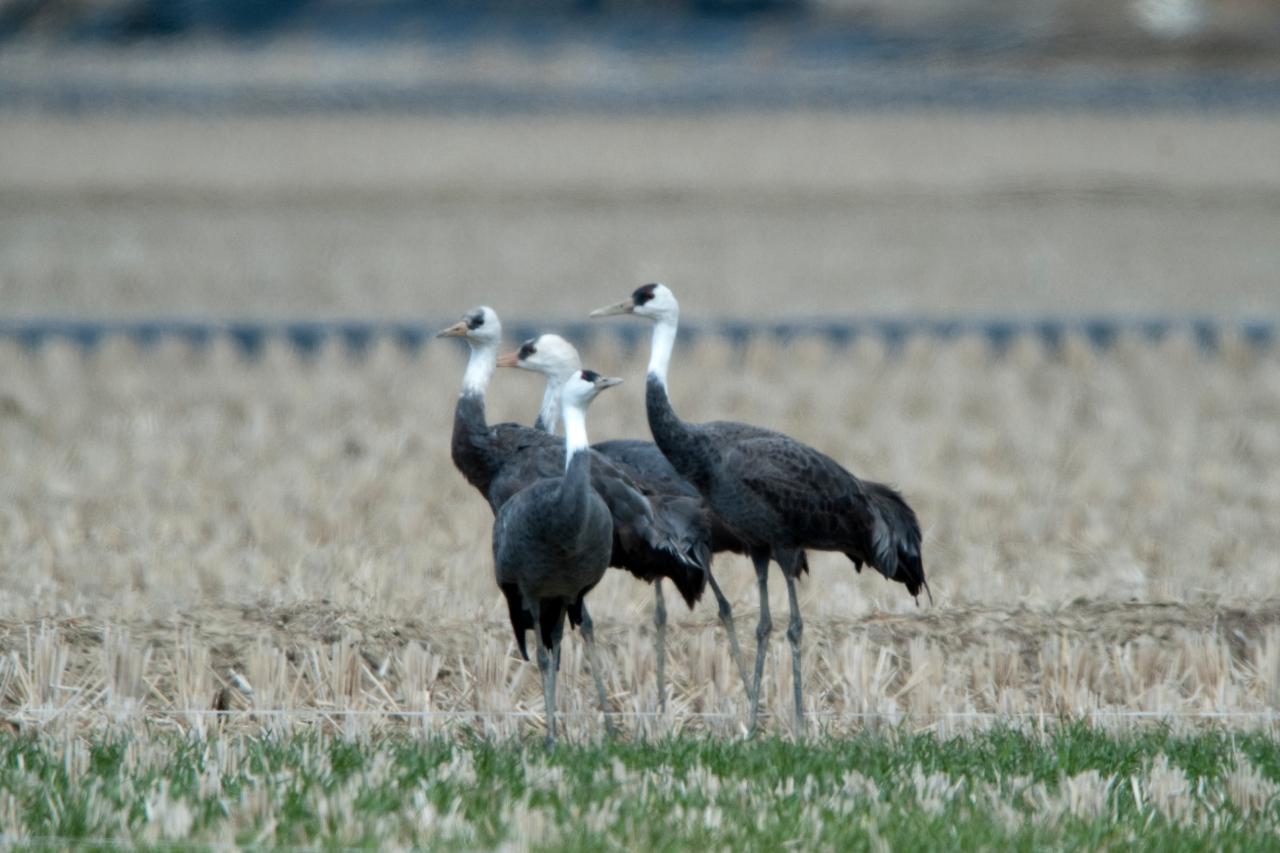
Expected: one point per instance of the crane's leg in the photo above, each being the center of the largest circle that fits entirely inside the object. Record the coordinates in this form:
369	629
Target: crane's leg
588	629
794	631
660	642
548	673
763	628
726	619
557	640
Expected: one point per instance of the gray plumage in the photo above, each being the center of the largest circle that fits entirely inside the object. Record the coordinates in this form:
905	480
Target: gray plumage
652	537
650	467
683	509
780	496
777	495
551	545
500	460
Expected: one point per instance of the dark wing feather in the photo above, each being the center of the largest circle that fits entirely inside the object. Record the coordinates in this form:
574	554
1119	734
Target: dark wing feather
657	476
663	537
649	541
728	433
647	465
816	503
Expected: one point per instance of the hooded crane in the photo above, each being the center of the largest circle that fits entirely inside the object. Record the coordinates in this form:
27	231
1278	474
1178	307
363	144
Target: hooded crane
558	360
778	495
551	544
502	459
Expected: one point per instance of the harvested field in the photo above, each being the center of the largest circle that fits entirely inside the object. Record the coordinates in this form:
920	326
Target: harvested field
183	529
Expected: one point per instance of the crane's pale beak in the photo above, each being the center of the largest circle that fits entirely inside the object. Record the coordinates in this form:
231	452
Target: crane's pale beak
511	359
457	330
626	306
607	382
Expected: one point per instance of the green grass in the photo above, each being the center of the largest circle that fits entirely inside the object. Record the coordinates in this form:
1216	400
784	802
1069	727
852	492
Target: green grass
1072	787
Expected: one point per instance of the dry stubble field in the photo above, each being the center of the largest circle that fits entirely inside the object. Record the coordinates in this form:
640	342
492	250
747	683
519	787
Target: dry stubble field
1099	534
1099	526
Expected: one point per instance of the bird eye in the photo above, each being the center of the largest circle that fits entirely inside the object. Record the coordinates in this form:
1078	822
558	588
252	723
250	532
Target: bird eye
528	349
475	321
590	376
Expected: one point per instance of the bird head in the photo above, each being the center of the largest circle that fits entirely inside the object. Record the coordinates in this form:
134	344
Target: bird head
478	326
550	355
654	301
582	386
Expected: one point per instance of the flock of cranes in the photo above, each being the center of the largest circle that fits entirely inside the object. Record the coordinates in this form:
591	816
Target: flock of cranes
566	509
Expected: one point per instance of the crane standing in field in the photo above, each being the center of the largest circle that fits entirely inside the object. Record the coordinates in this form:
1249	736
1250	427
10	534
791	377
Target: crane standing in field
501	459
778	495
552	541
558	360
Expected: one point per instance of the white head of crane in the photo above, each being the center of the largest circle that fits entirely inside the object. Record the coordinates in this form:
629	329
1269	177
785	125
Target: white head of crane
483	331
580	388
553	357
654	302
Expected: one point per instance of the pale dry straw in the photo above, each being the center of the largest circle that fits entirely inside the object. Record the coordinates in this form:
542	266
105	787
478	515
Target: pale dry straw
186	530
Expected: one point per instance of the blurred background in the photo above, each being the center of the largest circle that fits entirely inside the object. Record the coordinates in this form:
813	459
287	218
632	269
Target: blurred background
403	160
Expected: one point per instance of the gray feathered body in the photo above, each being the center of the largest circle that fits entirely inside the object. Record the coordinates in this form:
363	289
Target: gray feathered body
644	456
653	536
780	496
552	542
647	464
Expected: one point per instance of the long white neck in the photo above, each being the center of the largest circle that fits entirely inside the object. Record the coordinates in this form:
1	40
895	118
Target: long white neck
480	367
664	341
549	412
575	432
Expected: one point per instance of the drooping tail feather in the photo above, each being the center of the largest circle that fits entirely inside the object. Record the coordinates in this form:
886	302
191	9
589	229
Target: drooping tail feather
655	535
683	524
895	539
675	545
